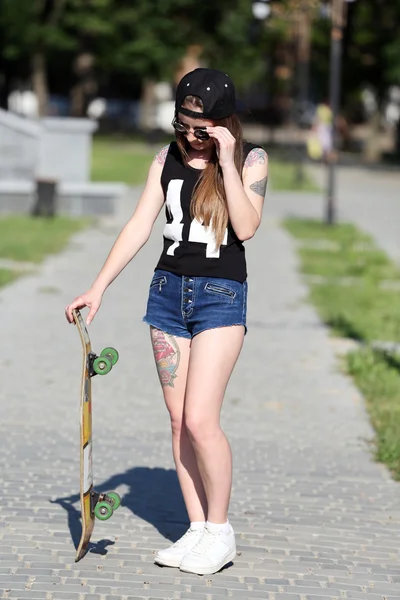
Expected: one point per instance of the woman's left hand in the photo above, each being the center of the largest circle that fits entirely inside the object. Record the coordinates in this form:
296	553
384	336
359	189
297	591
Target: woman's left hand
225	145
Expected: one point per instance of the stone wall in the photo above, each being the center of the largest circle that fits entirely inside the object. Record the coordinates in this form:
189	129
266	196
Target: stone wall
55	149
19	144
65	149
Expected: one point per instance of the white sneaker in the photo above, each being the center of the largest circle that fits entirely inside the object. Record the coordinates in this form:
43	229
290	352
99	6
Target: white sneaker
172	556
212	552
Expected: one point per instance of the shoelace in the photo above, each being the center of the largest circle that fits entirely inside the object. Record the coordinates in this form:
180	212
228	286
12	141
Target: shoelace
207	539
184	538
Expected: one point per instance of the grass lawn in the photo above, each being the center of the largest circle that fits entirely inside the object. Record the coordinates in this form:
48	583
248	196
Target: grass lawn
355	288
31	239
282	177
121	159
7	276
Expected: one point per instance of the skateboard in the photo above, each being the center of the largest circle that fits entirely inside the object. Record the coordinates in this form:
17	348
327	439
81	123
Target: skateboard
93	504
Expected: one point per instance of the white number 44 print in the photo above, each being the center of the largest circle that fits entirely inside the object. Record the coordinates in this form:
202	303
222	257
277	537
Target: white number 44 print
173	230
205	235
197	232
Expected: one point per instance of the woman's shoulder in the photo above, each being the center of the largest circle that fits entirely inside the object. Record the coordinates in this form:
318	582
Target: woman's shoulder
254	154
169	149
162	154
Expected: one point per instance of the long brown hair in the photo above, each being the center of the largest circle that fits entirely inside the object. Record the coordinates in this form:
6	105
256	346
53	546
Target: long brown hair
209	205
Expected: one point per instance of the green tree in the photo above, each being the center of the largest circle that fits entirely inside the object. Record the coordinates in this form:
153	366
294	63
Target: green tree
30	31
372	53
145	39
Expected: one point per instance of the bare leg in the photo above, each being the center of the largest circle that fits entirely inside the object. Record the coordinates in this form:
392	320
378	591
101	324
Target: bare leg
172	358
212	358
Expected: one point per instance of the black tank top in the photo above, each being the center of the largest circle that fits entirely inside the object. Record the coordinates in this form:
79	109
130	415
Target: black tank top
189	247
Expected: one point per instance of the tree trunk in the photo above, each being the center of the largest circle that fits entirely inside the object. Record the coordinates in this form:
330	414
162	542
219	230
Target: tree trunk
39	81
85	88
397	139
190	61
304	49
77	98
147	119
372	150
5	89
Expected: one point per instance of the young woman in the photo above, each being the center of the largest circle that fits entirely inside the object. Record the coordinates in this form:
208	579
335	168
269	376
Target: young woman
213	186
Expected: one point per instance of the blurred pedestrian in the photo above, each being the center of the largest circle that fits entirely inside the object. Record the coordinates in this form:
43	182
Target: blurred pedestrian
212	184
319	143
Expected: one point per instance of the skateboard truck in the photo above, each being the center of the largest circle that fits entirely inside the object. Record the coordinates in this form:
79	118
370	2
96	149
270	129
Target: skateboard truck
103	505
101	365
90	358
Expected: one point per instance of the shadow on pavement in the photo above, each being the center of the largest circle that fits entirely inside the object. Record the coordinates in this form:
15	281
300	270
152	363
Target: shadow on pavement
153	495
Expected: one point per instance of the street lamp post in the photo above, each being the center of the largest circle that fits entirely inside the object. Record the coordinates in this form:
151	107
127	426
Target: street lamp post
338	23
334	97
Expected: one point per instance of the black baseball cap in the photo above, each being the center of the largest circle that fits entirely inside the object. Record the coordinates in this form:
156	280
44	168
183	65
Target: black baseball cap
216	91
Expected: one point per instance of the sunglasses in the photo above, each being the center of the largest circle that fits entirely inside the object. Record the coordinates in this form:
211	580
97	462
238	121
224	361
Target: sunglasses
199	132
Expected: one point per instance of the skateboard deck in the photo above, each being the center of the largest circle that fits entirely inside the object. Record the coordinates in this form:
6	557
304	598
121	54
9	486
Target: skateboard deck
93	504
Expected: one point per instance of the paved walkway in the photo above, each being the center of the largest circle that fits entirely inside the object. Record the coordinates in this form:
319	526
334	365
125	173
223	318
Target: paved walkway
315	517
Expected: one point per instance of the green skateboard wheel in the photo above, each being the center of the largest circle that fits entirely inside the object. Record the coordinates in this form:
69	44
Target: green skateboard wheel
103	510
115	499
110	353
102	365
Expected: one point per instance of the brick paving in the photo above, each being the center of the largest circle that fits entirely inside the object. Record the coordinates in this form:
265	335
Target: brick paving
315	517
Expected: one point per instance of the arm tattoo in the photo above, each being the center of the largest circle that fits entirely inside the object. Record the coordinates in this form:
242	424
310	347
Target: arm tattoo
161	156
258	155
167	356
260	187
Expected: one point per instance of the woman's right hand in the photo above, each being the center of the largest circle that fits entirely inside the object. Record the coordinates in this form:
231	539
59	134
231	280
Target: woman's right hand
91	299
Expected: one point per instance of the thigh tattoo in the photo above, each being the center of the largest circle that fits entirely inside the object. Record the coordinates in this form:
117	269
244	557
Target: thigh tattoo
167	356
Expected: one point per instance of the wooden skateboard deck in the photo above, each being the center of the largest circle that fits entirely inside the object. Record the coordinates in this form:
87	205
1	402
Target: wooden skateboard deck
93	504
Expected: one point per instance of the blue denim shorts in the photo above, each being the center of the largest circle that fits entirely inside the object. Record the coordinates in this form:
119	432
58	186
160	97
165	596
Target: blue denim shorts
186	306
